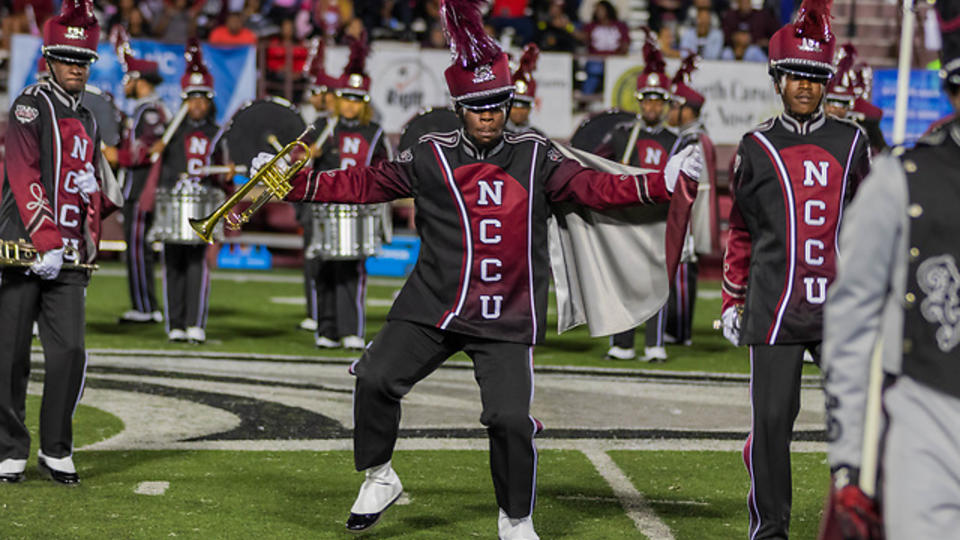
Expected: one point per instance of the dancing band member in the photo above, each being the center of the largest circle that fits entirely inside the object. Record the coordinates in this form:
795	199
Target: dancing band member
792	177
52	196
142	139
646	142
684	116
480	285
186	276
341	285
896	290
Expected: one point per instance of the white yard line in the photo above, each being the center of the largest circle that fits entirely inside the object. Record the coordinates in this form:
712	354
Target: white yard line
261	277
151	488
632	501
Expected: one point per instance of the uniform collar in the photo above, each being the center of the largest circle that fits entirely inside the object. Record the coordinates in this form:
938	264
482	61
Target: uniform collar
693	128
815	122
148	100
348	123
64	97
476	153
657	128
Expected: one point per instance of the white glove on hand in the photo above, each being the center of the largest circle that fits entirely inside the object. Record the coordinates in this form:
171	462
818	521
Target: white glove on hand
689	161
731	325
48	265
86	182
262	159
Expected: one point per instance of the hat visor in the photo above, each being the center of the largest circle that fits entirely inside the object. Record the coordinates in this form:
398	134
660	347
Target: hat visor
353	95
70	55
652	93
522	101
807	71
487	102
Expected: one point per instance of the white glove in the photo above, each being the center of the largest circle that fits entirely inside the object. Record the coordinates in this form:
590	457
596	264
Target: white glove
731	325
262	159
86	182
689	161
48	265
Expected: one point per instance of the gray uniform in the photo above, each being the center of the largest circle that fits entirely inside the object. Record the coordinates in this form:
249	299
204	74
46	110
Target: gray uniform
921	492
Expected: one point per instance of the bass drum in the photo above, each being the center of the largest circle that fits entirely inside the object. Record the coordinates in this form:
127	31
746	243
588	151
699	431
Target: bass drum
345	231
175	207
439	119
592	130
249	130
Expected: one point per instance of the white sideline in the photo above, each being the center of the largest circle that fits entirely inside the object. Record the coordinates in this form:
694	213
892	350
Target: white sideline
632	501
151	488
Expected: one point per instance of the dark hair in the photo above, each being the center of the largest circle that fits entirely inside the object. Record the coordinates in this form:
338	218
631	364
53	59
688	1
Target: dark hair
611	11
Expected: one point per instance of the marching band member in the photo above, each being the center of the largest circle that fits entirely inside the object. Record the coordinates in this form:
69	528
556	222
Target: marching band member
186	283
142	139
792	177
480	285
52	196
684	116
341	285
323	100
525	92
646	142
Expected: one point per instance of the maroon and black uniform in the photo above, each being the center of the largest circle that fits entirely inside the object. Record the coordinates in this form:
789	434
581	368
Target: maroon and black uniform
147	126
186	277
653	148
790	184
479	285
51	137
340	287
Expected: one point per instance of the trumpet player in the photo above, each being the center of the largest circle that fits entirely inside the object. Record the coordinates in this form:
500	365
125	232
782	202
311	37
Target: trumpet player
340	285
186	277
51	196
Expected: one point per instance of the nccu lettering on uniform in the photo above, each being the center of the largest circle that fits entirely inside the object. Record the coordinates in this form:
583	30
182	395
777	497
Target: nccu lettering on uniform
483	268
799	213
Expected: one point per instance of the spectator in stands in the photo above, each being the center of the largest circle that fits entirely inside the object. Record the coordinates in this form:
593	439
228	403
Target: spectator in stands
604	35
137	25
513	14
741	48
285	52
703	37
434	37
661	10
760	23
232	31
256	20
175	24
667	36
352	30
23	17
556	32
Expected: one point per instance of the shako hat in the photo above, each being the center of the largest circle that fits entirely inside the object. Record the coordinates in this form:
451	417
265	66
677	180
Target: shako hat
805	46
845	85
479	77
948	15
355	83
314	70
133	67
653	79
525	86
196	77
682	92
72	36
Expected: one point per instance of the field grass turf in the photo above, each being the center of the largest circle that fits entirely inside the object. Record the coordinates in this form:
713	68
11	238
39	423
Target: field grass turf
244	317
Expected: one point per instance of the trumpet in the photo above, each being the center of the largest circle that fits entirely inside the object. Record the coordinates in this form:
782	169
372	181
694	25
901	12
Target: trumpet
276	180
22	254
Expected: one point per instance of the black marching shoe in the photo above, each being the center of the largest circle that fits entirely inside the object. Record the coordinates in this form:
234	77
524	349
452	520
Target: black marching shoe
380	489
11	478
59	476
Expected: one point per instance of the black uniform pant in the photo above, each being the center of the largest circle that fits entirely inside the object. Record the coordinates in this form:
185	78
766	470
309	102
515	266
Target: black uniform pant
683	297
186	285
653	332
58	308
775	399
140	260
341	297
403	353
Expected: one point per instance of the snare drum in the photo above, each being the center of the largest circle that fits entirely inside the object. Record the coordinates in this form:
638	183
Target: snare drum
345	231
175	207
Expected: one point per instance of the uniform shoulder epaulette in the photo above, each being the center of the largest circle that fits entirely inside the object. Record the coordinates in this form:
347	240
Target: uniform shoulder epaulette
514	138
625	126
444	138
936	136
33	89
847	122
766	125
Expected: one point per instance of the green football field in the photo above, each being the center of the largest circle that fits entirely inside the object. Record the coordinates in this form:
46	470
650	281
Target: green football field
585	490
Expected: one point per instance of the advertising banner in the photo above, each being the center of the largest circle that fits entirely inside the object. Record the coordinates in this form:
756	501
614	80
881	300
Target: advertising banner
927	102
233	68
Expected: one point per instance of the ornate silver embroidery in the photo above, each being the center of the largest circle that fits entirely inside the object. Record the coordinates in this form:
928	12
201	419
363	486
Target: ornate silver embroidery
939	279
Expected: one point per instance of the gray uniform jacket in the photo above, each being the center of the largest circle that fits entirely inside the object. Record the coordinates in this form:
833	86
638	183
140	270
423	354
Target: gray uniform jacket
864	303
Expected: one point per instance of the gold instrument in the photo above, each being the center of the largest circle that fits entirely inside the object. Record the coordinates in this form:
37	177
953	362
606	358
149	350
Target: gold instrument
275	179
22	254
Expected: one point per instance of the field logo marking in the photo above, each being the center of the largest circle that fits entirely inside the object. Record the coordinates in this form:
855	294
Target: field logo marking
151	488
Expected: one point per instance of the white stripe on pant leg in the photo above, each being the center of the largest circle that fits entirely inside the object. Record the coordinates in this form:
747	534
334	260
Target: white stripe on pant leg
361	298
166	290
632	501
752	508
533	444
142	254
132	254
204	300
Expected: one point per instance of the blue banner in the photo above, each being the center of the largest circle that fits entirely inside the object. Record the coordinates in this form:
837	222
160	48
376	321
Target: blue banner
927	102
234	71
